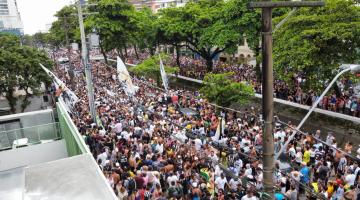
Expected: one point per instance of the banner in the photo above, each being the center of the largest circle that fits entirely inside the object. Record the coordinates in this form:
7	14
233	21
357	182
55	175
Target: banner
124	77
163	75
68	97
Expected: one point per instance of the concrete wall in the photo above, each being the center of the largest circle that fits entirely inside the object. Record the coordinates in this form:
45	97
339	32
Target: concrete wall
32	155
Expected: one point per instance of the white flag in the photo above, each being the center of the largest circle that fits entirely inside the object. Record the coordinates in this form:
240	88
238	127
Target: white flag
68	97
124	77
219	132
163	75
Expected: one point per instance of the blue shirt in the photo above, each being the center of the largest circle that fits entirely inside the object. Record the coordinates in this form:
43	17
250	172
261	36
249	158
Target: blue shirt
305	175
279	196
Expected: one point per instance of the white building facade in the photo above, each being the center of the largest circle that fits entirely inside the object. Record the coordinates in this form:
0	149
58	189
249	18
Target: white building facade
10	20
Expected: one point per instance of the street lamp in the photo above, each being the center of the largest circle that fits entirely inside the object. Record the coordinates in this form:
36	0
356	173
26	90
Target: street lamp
354	68
86	63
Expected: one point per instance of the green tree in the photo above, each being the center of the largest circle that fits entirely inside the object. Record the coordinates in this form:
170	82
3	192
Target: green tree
202	27
151	68
112	23
315	41
145	35
220	89
66	27
19	69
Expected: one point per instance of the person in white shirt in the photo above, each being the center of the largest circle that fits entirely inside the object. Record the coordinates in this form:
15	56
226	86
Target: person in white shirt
234	184
292	152
220	182
198	144
160	148
172	178
280	134
249	196
248	170
213	156
102	157
298	156
218	171
118	127
238	165
102	131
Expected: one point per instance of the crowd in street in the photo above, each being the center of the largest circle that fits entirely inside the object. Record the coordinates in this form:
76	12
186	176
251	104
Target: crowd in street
346	101
150	148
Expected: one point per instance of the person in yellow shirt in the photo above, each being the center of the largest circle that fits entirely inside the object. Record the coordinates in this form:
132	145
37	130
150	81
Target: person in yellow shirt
330	188
306	157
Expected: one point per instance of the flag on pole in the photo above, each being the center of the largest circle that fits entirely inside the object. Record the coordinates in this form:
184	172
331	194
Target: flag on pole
163	75
124	77
219	131
68	97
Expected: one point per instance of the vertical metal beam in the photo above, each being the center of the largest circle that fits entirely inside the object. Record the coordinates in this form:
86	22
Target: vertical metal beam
71	67
267	101
87	66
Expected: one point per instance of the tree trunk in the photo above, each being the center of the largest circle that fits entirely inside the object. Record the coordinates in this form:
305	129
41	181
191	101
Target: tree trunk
103	52
11	100
152	52
136	52
209	64
25	103
120	53
126	53
177	49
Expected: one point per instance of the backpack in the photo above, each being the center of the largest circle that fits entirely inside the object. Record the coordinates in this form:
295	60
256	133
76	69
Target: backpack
131	184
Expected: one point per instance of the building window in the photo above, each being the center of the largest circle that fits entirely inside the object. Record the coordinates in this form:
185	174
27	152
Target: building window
1	24
4	12
3	1
3	6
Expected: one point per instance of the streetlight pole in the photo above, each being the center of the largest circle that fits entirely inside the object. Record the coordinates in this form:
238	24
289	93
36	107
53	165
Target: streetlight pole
267	85
267	101
345	68
86	64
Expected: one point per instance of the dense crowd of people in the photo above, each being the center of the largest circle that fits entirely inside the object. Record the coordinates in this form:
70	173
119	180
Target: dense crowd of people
150	147
347	103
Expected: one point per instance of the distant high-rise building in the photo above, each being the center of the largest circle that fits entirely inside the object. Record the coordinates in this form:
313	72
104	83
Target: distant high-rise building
10	20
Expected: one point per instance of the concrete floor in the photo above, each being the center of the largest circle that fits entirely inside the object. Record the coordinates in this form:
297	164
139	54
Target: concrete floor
75	178
12	184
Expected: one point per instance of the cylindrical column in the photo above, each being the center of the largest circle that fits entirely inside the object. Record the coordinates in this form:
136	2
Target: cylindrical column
267	102
86	64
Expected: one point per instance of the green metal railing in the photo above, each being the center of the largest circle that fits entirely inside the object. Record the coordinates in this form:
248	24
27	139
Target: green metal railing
74	142
32	135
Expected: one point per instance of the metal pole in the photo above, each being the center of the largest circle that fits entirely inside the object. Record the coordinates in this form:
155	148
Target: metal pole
86	64
310	111
267	102
71	67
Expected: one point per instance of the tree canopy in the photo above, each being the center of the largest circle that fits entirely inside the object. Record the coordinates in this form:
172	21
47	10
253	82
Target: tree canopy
220	89
66	23
315	41
151	68
112	23
206	27
20	70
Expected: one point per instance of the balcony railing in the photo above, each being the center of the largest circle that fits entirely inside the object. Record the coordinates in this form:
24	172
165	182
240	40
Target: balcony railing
29	136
